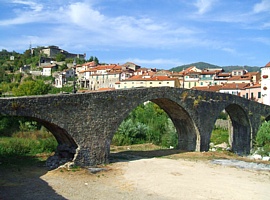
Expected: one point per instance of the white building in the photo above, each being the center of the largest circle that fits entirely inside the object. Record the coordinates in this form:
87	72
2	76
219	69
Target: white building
265	84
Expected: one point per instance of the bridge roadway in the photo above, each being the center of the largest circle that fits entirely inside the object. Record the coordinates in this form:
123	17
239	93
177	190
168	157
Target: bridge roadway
84	124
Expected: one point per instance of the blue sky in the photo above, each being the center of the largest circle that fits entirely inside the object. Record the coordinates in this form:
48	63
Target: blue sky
151	33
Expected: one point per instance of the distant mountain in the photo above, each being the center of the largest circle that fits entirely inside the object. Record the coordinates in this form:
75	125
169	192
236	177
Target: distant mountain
203	65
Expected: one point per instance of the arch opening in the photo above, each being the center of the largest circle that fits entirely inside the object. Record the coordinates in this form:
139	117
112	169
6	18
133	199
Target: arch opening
220	138
174	127
240	131
55	138
188	135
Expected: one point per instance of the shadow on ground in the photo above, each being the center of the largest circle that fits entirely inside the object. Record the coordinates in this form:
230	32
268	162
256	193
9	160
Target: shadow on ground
20	178
136	155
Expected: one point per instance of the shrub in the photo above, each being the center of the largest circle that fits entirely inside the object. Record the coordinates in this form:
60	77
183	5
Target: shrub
219	136
263	137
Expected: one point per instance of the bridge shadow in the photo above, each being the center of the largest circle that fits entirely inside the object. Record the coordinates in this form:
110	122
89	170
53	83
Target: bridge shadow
20	178
130	155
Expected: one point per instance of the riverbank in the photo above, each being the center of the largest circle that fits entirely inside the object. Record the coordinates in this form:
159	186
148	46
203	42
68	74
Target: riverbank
137	175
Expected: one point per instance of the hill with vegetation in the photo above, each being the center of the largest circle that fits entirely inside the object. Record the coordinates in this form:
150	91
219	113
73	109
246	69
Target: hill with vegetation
203	65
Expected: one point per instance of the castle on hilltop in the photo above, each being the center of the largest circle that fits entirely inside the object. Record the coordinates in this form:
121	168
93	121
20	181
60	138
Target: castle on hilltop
52	51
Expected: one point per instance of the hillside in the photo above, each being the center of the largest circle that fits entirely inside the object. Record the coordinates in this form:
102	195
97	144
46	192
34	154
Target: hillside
203	65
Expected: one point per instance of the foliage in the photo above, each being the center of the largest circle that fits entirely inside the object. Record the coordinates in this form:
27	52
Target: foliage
9	125
26	138
263	137
93	58
31	88
60	57
223	115
147	123
24	146
219	136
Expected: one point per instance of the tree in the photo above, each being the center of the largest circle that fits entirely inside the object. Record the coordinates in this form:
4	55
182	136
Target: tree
31	88
96	60
263	137
60	57
91	59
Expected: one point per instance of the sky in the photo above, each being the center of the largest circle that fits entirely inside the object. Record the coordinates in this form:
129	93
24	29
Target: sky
151	33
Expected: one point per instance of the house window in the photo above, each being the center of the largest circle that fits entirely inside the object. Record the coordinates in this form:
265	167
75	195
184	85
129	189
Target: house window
259	95
132	82
168	83
201	83
159	82
252	96
150	82
247	95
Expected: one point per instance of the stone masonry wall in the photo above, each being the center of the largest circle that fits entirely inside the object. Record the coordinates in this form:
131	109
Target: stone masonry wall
87	122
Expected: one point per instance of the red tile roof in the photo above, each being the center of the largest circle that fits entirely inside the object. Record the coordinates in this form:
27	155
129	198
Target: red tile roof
229	86
214	88
155	78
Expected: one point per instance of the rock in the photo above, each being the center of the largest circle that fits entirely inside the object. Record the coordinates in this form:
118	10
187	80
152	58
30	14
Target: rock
256	157
223	145
213	149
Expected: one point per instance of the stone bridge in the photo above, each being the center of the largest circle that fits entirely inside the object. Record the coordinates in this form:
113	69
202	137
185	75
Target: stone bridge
87	122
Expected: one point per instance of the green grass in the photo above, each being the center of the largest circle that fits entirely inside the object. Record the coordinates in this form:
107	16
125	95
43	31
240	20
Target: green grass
25	146
219	136
26	149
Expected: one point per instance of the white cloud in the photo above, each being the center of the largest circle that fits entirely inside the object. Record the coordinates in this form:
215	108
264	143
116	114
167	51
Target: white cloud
36	7
262	40
83	15
204	5
263	6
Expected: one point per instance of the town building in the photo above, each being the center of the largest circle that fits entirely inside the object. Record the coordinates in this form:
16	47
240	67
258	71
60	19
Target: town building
148	81
191	77
265	84
101	76
48	69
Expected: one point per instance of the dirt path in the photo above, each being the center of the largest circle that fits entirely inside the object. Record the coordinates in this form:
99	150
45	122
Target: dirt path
151	178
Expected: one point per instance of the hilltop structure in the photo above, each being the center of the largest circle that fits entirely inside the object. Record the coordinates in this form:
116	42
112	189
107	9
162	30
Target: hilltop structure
52	51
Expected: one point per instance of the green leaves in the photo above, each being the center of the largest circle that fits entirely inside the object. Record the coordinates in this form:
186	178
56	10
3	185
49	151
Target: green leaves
147	123
263	136
31	88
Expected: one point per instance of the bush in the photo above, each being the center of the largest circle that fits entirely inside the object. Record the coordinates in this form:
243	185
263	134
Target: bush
219	136
263	138
11	146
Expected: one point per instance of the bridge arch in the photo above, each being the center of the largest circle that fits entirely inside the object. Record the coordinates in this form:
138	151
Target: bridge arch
66	148
188	134
241	130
